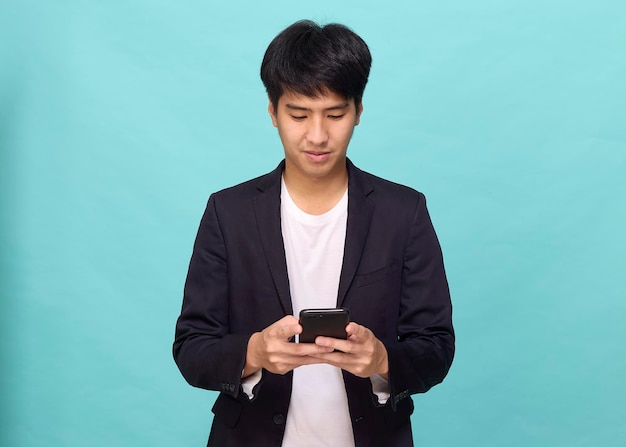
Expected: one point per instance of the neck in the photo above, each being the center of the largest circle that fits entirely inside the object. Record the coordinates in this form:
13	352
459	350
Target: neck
316	195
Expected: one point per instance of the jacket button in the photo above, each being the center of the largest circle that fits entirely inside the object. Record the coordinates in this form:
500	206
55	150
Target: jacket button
279	419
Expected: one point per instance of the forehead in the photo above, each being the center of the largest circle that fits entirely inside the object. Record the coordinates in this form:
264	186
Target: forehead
327	100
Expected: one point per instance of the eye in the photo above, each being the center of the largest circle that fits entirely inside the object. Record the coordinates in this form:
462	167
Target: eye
336	117
298	117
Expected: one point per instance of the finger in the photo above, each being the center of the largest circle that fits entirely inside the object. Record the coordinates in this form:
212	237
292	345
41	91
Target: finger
289	362
289	330
295	362
289	319
355	329
336	358
359	334
310	349
335	343
285	328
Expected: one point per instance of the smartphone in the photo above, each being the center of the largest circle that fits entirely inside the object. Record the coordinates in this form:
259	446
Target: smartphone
326	322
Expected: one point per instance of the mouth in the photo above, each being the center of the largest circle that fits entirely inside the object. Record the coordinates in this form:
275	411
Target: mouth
317	156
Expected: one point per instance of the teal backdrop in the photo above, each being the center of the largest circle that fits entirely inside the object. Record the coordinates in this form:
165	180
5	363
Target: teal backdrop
119	118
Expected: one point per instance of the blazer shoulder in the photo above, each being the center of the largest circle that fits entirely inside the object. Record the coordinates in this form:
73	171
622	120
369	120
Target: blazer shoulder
383	189
250	188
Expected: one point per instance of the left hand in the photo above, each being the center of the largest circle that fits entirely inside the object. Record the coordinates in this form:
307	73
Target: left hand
362	354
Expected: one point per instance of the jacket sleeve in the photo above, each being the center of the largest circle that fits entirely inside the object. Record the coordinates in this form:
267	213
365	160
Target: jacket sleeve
421	354
207	354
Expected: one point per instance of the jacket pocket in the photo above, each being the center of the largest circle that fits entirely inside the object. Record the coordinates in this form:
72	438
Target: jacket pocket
365	279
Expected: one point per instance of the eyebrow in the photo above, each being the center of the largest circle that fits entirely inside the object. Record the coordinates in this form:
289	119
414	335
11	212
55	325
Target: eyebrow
341	106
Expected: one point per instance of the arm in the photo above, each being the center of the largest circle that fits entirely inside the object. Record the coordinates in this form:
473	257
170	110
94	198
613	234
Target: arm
207	354
422	354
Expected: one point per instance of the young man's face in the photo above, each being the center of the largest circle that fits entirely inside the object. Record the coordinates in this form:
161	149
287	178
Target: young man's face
315	133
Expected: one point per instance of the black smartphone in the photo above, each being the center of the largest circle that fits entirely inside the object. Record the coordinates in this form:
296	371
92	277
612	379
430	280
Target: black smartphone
326	322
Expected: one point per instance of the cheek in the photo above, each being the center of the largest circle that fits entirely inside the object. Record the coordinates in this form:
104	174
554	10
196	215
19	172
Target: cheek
288	137
292	133
346	133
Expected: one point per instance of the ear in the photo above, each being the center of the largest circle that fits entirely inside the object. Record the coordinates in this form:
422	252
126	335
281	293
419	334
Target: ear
272	111
359	110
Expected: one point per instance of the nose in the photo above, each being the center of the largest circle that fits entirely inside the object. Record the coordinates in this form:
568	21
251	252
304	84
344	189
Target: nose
317	134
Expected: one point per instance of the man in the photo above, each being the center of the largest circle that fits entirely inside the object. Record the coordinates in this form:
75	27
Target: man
315	233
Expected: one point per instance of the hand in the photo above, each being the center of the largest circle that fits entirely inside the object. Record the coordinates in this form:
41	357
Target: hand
362	354
271	349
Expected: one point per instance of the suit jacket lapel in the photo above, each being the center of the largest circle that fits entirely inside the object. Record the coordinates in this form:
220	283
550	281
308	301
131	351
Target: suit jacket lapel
267	209
359	216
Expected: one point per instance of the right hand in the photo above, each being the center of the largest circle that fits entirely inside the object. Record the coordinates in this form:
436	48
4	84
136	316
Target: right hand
271	349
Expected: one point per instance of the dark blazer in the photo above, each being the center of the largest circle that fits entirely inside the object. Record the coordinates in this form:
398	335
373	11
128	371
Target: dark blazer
392	281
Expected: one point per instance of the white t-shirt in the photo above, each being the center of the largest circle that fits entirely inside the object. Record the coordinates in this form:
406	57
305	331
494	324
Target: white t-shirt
318	410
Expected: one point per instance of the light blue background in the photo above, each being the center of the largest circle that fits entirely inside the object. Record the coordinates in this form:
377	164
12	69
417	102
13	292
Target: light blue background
118	118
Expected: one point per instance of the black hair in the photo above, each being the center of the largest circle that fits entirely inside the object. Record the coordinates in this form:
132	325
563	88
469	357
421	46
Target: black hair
310	59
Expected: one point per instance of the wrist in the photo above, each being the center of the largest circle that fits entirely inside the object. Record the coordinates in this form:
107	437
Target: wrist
252	365
383	369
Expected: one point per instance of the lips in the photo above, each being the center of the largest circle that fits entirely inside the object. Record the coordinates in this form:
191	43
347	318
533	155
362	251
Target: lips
317	156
